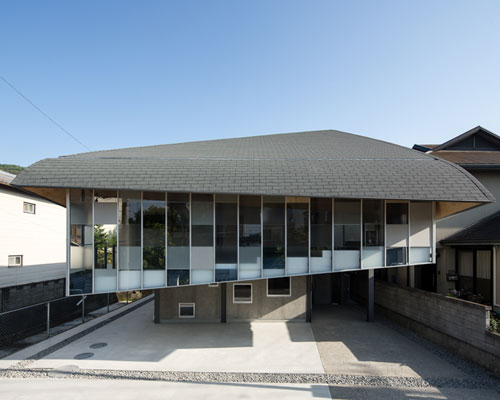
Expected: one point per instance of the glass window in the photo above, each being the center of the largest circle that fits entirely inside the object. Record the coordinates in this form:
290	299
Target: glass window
29	208
129	234
105	245
153	256
250	237
373	233
242	293
420	232
15	261
178	239
186	310
297	235
81	234
202	238
274	235
321	235
226	245
347	235
279	287
397	233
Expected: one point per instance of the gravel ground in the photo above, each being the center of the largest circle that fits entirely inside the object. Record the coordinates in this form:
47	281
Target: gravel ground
72	372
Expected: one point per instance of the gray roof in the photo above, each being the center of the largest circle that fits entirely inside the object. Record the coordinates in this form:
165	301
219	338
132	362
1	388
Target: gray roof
486	231
319	163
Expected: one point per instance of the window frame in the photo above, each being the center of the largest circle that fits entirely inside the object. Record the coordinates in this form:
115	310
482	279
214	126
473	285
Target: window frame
212	285
15	265
187	305
279	295
242	301
27	203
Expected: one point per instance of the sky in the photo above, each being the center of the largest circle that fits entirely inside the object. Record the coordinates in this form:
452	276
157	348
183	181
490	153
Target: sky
135	73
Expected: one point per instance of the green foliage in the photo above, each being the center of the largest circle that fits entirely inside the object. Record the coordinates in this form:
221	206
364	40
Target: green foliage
11	168
495	323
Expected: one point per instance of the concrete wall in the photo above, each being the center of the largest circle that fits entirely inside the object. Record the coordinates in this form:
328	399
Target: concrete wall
208	302
206	299
454	323
269	308
40	238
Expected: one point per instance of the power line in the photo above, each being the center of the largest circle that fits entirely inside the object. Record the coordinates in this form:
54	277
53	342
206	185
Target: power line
43	113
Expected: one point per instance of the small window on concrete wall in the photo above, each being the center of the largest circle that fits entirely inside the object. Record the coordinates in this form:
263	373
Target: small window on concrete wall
242	293
186	310
279	287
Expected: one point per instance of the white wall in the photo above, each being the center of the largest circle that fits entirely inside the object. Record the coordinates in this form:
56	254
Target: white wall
40	238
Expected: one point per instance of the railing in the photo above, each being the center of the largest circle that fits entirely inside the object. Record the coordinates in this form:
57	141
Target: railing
20	323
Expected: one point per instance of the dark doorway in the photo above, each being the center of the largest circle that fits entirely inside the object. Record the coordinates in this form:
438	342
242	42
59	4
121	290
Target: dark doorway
426	277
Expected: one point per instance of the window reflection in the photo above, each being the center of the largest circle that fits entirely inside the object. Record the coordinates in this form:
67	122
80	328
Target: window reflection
226	245
347	235
250	237
153	258
202	238
321	235
297	235
274	235
178	239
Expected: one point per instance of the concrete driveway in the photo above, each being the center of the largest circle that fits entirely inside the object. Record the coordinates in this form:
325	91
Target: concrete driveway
338	356
133	342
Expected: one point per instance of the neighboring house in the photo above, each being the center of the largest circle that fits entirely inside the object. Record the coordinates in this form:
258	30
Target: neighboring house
468	255
234	229
32	247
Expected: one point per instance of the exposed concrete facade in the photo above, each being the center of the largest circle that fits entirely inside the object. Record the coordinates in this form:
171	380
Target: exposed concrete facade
207	301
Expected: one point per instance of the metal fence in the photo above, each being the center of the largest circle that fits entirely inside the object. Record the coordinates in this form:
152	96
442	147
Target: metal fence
18	324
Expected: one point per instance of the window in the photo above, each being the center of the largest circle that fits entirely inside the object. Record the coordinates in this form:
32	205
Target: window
15	261
29	208
242	293
279	287
186	310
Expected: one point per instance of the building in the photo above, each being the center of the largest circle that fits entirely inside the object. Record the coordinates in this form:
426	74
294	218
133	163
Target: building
32	247
468	251
234	229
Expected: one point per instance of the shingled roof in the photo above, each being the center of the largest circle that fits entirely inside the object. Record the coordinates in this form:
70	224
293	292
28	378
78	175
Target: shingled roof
319	163
486	231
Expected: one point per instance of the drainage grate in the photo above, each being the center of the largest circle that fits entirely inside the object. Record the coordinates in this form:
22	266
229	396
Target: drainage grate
83	356
98	345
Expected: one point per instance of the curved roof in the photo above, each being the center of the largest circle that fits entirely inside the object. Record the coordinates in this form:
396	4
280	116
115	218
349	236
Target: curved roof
319	163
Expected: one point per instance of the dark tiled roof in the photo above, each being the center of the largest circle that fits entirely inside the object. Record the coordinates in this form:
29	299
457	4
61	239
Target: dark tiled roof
470	158
319	163
486	231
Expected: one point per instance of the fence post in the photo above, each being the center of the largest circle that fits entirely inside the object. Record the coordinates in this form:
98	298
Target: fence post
48	319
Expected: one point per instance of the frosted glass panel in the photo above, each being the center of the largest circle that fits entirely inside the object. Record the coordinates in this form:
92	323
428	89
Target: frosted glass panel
420	255
130	257
346	259
202	276
130	279
273	272
202	257
323	263
105	280
154	278
178	257
373	257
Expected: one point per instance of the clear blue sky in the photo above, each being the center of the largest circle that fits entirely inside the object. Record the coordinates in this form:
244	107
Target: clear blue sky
134	73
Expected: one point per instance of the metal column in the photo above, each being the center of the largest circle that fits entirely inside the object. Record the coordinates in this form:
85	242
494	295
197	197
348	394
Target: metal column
370	294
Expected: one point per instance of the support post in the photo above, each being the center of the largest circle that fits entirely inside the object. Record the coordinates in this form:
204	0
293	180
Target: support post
107	300
48	319
342	288
223	295
156	318
308	298
83	309
370	294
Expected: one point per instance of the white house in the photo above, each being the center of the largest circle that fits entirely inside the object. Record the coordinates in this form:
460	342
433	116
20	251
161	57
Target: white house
32	237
